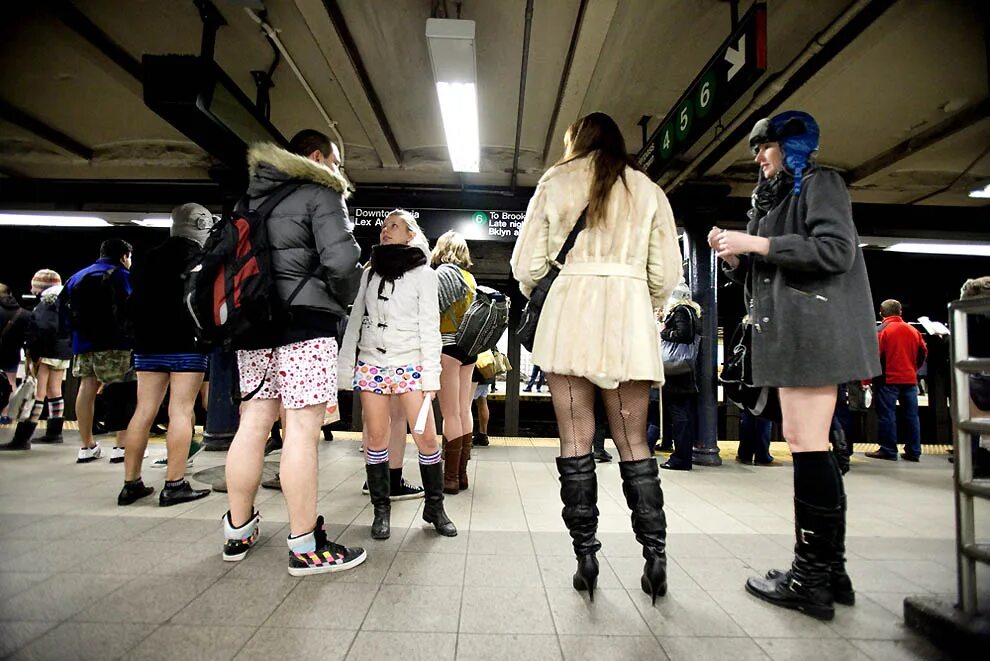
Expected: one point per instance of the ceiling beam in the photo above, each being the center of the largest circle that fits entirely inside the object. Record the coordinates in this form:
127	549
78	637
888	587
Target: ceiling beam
931	136
62	143
326	23
594	18
96	45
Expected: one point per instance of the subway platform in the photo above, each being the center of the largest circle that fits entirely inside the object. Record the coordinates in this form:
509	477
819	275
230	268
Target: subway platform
81	578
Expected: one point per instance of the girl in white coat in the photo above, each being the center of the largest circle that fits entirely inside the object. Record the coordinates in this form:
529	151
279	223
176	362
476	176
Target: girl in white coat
391	349
597	327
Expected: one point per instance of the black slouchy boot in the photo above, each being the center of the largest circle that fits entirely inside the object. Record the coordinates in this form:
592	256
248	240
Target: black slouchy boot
378	487
579	493
433	512
641	486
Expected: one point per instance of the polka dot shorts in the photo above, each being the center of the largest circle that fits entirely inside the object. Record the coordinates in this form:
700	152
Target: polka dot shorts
301	374
387	380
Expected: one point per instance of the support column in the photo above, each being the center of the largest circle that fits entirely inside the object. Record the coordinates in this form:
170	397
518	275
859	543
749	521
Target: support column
512	378
222	415
702	279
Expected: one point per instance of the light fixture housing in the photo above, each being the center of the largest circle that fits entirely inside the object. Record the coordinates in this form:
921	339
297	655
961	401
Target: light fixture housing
451	45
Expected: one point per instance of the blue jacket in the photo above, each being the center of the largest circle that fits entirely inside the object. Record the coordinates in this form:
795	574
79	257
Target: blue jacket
122	283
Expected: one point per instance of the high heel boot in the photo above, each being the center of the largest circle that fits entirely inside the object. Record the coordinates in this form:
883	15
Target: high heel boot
641	486
806	587
378	488
579	493
433	511
467	441
452	465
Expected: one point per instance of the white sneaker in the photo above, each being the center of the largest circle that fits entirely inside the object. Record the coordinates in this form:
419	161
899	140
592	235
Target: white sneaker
116	455
87	455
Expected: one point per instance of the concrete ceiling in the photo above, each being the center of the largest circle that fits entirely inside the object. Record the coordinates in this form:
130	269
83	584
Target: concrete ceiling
903	105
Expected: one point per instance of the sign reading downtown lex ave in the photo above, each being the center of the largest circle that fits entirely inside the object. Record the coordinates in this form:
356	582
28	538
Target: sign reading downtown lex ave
736	65
473	224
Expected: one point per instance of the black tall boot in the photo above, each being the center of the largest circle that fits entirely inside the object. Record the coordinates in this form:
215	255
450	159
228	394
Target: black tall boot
641	486
53	431
22	436
579	493
433	512
378	489
807	585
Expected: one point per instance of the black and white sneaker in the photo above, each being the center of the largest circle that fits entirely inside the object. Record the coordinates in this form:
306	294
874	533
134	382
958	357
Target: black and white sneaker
238	541
328	556
405	491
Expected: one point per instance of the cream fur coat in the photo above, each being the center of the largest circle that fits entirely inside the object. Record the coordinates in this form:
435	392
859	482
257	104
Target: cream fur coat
598	320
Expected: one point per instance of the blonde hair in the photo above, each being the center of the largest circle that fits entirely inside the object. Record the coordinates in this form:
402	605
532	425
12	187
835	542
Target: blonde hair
419	239
451	248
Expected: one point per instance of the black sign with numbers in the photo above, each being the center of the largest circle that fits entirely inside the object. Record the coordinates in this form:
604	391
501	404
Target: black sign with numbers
736	65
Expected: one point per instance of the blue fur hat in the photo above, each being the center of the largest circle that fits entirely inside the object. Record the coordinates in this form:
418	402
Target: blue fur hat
797	134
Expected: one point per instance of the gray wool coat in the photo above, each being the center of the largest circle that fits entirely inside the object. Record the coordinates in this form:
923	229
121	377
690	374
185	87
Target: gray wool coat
311	235
809	298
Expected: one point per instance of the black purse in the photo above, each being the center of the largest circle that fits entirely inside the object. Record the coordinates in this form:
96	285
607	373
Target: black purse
737	378
531	313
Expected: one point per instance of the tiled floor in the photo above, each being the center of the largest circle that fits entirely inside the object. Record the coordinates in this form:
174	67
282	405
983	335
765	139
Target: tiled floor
82	578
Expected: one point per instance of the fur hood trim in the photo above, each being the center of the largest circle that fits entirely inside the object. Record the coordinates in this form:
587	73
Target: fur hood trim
583	163
296	167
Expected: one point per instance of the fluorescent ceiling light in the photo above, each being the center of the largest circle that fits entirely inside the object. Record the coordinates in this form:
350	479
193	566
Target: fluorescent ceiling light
33	220
981	192
974	249
451	45
163	221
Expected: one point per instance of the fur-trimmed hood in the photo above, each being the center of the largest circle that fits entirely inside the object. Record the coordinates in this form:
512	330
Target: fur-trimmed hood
269	166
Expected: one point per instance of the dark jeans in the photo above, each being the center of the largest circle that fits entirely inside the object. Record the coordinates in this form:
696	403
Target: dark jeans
680	413
887	397
754	438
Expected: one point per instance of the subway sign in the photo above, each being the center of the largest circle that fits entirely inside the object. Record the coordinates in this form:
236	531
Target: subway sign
473	224
736	65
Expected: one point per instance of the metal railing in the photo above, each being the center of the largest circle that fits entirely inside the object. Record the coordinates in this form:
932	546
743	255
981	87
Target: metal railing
967	489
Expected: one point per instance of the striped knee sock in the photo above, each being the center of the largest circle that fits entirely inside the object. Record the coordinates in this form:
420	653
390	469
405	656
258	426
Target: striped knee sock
56	407
39	406
430	459
376	456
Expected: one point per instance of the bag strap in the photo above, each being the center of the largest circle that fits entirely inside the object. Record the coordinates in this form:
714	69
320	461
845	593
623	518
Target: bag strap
273	199
572	237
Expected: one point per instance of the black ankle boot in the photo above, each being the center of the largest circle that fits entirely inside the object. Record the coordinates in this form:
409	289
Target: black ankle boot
433	512
641	486
579	493
53	431
806	587
181	493
22	436
378	489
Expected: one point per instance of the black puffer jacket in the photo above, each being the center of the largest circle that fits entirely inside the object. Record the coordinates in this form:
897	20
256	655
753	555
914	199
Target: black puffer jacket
17	317
157	315
44	336
312	239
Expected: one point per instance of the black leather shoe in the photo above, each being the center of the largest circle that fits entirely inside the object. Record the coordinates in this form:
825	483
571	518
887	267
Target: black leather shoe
672	465
910	457
602	456
133	491
180	494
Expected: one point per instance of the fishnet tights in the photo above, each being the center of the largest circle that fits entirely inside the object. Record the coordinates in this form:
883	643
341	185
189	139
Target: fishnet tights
573	400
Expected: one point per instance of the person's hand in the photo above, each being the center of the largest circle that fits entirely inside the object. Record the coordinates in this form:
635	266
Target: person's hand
713	234
732	244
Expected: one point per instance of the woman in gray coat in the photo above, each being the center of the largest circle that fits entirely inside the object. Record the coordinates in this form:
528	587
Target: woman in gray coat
812	319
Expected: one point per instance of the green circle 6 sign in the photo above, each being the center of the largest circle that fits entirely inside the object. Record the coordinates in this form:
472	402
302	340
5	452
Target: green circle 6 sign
704	98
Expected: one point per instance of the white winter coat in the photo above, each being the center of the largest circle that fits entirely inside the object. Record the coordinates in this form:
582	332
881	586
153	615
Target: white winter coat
598	320
406	326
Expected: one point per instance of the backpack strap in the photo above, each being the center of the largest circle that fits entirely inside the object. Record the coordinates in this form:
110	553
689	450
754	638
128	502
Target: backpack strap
273	200
572	237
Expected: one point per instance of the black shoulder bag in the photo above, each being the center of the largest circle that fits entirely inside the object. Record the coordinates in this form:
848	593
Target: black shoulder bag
531	313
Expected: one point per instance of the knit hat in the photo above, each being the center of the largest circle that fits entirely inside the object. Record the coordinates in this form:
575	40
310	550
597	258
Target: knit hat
44	279
192	221
797	134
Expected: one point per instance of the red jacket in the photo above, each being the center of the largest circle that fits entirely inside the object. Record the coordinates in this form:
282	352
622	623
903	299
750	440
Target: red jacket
902	351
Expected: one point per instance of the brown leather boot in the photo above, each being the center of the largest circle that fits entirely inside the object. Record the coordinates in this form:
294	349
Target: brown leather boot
451	464
467	442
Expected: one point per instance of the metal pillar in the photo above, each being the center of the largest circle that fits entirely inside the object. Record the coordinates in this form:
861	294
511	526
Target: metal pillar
702	280
222	415
512	378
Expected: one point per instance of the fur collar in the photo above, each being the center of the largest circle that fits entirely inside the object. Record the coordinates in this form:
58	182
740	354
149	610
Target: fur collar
391	262
295	167
583	163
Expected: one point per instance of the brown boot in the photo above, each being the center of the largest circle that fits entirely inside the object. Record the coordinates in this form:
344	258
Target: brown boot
451	464
466	445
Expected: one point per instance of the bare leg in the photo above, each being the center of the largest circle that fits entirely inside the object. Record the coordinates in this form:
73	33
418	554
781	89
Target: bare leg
299	468
807	414
483	415
85	401
184	387
465	398
246	457
151	391
410	404
55	378
450	397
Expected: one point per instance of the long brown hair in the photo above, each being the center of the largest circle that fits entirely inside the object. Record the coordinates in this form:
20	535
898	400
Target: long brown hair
598	135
